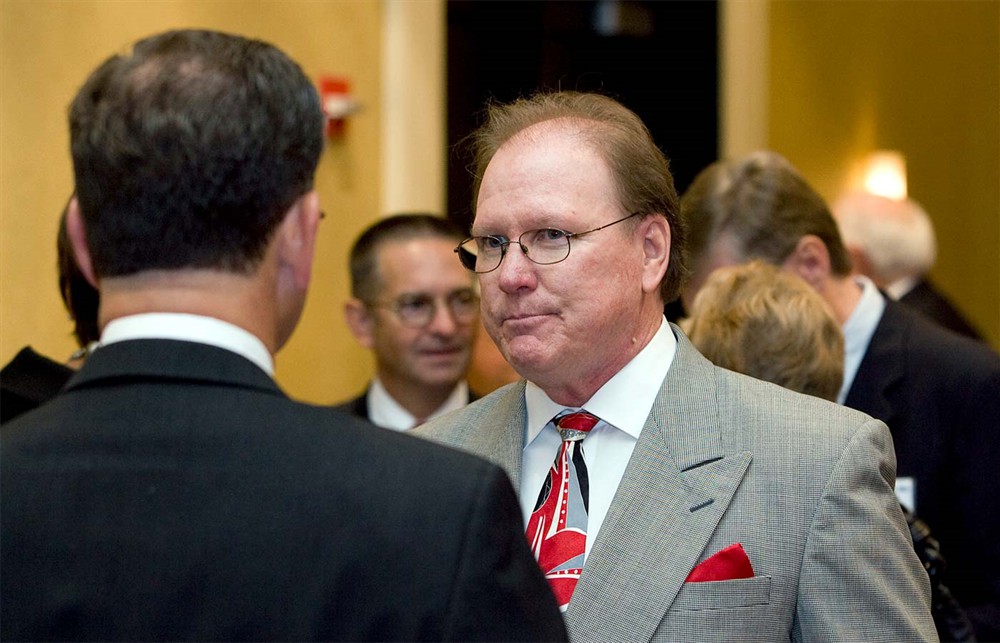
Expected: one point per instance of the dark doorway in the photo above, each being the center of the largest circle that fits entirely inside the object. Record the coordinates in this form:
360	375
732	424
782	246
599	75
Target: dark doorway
658	58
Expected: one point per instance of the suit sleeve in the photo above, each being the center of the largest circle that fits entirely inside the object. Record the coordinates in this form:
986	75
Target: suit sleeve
499	593
861	579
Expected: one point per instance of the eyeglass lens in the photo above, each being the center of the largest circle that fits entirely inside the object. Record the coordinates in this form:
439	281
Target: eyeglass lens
420	309
543	246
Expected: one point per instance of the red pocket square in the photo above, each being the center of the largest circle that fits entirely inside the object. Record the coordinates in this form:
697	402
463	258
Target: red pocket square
729	564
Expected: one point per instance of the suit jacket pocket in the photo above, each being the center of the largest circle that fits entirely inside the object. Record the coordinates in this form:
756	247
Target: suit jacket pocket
724	594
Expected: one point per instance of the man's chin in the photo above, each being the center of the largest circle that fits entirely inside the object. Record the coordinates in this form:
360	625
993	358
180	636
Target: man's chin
443	374
441	383
528	357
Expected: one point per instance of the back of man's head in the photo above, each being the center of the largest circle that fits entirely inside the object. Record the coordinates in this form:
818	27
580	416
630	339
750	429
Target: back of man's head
893	239
188	151
365	283
764	206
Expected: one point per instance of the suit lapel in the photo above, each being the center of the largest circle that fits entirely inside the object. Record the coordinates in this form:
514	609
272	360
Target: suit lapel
678	484
881	370
498	433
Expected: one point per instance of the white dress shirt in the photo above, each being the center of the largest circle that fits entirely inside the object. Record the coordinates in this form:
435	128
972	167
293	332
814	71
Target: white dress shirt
386	412
190	328
622	404
858	331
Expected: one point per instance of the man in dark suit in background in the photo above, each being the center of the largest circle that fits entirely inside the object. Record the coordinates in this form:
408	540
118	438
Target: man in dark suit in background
417	310
938	392
173	491
892	243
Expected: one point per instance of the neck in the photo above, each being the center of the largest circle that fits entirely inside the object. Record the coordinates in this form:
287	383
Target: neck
241	300
843	295
419	400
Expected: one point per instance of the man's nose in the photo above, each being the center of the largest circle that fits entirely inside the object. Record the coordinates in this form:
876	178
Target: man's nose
516	271
443	322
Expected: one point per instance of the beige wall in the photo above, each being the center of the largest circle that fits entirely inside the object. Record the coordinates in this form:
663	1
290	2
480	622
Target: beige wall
414	116
922	77
46	50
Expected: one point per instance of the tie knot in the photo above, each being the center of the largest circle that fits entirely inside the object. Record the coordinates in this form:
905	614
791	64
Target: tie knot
574	427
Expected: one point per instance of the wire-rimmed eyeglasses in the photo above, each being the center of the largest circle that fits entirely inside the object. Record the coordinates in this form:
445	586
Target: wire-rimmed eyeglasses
419	309
543	246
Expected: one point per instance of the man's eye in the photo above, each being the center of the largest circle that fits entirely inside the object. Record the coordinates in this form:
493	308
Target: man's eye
492	243
463	297
414	304
544	237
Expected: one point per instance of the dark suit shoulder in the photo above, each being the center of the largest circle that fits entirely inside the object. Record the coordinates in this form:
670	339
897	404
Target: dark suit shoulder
916	372
906	335
935	305
29	380
357	406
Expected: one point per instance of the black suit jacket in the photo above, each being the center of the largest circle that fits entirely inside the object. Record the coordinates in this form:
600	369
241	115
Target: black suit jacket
174	492
358	407
933	304
27	381
939	393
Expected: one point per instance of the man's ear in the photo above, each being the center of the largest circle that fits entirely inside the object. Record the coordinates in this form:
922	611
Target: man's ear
655	251
78	240
810	260
297	238
361	322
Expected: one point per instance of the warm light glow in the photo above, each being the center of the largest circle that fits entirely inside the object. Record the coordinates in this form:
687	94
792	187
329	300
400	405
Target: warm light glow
885	175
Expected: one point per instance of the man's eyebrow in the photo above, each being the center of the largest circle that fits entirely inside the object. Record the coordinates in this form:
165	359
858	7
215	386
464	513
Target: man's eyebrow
498	235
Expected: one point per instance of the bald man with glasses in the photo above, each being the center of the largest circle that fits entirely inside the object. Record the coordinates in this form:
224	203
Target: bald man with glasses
417	310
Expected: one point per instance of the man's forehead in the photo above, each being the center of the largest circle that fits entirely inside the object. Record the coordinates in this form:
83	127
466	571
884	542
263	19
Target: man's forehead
576	133
422	263
549	174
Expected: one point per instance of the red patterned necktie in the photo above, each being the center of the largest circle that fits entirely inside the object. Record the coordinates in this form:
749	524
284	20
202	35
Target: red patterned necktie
557	529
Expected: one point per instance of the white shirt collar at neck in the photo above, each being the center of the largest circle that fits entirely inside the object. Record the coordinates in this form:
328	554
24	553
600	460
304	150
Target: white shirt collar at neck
386	412
190	328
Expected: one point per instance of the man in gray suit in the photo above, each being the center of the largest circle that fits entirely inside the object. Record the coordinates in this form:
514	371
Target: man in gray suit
700	504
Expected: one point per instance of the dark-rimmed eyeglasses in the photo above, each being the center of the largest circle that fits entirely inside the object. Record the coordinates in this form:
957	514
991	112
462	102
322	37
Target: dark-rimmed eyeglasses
419	309
544	246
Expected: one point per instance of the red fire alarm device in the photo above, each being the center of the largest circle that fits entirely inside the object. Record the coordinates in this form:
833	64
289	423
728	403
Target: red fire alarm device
335	94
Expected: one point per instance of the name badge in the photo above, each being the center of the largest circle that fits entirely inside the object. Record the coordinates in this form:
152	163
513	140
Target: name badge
906	492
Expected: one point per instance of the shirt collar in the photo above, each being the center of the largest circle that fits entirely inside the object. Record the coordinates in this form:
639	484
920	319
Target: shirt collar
386	412
625	400
190	328
858	331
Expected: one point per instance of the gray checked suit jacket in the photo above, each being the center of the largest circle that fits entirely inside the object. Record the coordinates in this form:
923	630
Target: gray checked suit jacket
803	484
